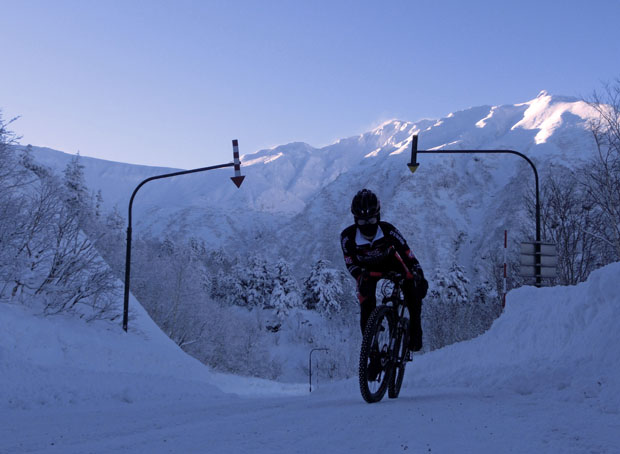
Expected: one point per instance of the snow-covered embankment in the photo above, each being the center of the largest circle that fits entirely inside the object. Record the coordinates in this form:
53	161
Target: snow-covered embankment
563	339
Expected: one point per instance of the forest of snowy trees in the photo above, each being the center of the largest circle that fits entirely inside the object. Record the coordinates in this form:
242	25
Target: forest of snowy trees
63	253
48	238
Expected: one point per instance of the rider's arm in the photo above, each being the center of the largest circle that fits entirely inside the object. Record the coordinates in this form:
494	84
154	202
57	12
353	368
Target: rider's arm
403	249
410	260
348	250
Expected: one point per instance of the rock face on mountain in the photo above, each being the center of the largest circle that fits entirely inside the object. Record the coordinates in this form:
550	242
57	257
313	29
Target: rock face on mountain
296	198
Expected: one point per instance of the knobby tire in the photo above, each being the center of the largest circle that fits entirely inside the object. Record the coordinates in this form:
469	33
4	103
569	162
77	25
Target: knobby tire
398	369
373	343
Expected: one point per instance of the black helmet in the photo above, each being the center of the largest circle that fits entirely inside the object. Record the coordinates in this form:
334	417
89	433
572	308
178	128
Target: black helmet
365	204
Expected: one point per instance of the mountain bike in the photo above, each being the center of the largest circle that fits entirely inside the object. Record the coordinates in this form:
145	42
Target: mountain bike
384	351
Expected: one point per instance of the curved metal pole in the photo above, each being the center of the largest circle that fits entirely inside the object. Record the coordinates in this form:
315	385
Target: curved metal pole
310	363
129	219
413	165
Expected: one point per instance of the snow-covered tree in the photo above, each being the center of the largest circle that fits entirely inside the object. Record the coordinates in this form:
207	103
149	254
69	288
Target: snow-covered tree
323	289
456	310
43	250
115	221
27	160
286	293
600	178
484	307
223	286
98	205
569	220
254	282
77	196
168	281
444	308
452	286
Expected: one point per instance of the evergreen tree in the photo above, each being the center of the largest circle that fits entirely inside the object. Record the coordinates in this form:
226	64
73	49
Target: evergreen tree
485	306
444	309
286	293
284	277
77	196
279	301
452	286
115	221
253	284
224	287
98	204
167	248
322	289
27	160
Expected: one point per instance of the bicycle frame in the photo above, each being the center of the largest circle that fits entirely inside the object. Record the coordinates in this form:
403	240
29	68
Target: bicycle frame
393	353
398	306
396	299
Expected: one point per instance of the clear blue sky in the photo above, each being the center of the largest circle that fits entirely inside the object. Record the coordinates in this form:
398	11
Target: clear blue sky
172	82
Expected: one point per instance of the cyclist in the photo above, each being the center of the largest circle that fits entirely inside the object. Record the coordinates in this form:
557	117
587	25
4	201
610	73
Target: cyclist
369	245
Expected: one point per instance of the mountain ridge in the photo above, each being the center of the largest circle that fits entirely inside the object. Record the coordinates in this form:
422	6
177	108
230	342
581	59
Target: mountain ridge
296	194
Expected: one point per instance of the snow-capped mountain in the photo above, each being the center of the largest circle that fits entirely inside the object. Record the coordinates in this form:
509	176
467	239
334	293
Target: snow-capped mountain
543	378
295	199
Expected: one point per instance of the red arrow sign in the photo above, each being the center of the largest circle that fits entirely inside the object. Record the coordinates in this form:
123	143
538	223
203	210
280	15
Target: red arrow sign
238	180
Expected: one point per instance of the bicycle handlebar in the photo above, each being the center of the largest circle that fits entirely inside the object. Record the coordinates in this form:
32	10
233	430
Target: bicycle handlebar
392	275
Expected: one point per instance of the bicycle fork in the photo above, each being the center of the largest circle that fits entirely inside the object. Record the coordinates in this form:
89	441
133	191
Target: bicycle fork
402	326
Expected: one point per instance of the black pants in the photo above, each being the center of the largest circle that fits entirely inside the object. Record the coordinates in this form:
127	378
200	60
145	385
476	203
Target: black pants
366	293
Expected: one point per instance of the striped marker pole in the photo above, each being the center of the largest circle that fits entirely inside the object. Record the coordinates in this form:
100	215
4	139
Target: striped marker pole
238	178
505	267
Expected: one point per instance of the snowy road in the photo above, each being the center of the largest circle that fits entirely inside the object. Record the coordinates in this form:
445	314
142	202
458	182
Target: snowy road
544	379
334	419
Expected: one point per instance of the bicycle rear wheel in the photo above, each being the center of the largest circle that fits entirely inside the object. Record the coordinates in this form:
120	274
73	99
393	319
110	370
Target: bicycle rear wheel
375	367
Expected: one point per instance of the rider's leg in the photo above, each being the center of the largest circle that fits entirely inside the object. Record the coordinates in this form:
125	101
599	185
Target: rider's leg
414	304
366	294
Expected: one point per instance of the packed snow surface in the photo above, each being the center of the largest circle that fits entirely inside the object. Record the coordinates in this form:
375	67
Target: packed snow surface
544	378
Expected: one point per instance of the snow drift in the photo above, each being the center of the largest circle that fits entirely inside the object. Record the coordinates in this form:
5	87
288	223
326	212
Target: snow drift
562	339
57	361
556	339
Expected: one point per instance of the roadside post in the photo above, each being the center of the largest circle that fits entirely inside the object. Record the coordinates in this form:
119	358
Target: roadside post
237	179
414	165
505	269
310	363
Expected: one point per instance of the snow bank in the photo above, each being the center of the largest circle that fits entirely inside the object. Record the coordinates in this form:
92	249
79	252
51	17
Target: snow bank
555	339
60	360
560	340
63	361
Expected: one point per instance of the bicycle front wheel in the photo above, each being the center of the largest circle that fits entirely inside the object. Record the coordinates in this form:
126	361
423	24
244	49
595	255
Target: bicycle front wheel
375	367
400	361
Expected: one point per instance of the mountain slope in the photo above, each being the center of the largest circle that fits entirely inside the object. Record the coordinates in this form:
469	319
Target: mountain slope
452	209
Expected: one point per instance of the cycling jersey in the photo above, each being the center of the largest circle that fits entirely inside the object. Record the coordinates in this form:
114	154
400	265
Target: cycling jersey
361	254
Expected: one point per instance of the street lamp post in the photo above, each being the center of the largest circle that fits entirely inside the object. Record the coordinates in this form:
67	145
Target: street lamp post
310	363
413	166
237	179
